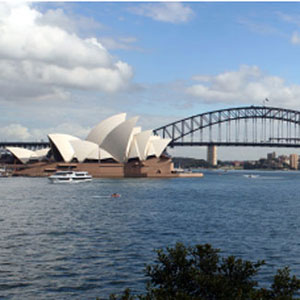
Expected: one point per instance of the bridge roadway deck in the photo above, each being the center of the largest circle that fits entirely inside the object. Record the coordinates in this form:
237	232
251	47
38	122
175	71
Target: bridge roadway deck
235	144
28	145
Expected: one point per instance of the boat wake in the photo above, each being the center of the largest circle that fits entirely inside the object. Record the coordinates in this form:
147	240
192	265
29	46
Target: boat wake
251	176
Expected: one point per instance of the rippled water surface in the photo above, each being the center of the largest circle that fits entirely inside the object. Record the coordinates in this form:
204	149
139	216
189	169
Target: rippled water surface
73	241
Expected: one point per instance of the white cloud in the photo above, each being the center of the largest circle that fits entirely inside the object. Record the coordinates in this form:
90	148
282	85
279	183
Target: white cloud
124	43
289	18
70	128
19	132
261	27
293	19
15	132
58	18
35	52
171	12
248	85
295	38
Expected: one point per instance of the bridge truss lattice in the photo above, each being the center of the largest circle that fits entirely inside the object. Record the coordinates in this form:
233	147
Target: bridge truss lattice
242	126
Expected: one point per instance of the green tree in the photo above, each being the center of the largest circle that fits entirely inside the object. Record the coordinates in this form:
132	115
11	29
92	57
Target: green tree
200	273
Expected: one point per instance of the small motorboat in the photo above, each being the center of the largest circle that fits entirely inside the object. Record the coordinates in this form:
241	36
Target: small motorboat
115	195
70	176
251	176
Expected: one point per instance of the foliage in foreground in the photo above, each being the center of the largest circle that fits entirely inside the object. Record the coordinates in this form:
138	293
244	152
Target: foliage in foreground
200	273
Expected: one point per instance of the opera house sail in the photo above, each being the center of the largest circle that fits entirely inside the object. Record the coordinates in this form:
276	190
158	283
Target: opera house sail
114	148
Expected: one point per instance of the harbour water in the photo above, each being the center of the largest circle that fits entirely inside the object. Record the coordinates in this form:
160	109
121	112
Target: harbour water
73	241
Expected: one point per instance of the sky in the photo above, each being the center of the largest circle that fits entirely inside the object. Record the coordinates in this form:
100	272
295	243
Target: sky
65	66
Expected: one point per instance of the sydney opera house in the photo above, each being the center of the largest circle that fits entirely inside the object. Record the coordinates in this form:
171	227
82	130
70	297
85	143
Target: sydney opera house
113	148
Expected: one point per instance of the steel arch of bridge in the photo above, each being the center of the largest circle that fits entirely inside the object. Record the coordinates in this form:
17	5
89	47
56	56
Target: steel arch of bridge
259	126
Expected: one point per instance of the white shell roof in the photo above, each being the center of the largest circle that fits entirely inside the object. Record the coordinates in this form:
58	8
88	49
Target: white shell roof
112	138
150	150
160	145
132	148
117	141
104	154
62	143
24	155
99	153
41	152
84	149
100	131
144	144
142	140
94	154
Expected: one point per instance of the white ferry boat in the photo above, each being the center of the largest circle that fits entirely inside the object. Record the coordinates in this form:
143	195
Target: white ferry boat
70	176
4	172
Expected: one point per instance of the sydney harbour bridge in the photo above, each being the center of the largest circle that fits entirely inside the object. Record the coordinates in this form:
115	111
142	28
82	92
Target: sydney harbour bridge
253	126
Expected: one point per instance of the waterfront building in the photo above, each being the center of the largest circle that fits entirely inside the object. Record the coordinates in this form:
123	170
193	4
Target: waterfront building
115	139
113	148
237	163
294	161
284	159
271	156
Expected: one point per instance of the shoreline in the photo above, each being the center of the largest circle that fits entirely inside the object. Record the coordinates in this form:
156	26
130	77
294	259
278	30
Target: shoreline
150	169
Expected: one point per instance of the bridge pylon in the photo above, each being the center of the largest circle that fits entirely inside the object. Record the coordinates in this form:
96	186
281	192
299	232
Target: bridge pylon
212	155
